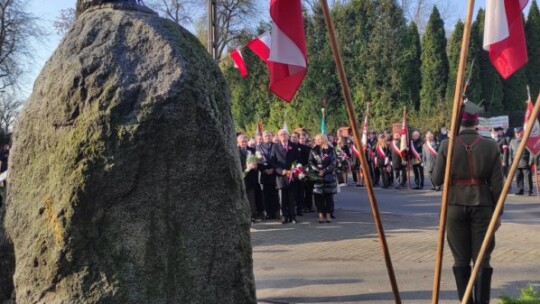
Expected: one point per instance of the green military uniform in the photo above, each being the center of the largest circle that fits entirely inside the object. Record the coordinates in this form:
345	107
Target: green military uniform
476	184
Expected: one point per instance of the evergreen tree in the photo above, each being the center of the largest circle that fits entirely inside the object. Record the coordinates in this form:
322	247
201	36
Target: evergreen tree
454	52
532	34
384	72
434	68
411	67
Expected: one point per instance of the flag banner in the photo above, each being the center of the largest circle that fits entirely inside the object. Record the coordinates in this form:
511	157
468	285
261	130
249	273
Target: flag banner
353	148
533	144
504	35
365	129
403	147
287	61
259	128
285	127
323	123
261	46
239	62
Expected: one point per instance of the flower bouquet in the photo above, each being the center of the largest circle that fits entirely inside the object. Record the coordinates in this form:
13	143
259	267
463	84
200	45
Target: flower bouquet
298	172
252	161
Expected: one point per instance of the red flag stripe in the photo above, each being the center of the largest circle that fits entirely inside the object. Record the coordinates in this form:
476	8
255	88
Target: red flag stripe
261	46
239	62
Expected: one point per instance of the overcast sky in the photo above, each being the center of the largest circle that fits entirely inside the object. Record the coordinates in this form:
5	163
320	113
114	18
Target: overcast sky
47	10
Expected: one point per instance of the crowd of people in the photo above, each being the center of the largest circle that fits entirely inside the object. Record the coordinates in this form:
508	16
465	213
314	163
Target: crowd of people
276	192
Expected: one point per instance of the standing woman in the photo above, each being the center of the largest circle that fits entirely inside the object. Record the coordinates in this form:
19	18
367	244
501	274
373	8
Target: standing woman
322	159
429	156
382	160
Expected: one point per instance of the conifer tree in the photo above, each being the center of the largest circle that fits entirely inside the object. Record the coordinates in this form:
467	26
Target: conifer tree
532	34
434	67
411	67
454	52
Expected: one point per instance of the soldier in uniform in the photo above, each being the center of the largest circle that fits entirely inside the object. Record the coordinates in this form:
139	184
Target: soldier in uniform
524	165
398	163
476	184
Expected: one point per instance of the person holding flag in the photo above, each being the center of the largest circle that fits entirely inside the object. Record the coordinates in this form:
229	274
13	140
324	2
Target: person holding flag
416	160
476	182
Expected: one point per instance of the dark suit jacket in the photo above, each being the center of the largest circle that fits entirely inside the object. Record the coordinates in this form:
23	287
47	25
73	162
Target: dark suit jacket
303	156
266	151
282	160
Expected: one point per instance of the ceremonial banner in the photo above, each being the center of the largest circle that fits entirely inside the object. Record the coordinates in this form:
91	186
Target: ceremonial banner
287	61
259	128
261	46
323	123
403	147
239	62
504	36
533	143
486	124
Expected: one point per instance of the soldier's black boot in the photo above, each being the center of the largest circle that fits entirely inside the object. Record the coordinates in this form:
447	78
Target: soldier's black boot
482	286
462	275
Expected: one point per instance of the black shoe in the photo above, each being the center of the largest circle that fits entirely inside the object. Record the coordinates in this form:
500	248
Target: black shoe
416	188
299	214
531	193
332	216
284	222
433	188
519	193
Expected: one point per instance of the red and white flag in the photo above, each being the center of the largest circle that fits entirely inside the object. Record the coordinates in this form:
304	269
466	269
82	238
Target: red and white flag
504	35
259	128
261	46
239	62
533	144
287	61
366	127
403	146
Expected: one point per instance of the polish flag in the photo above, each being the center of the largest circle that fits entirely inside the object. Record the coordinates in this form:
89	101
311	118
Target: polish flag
504	36
403	146
239	62
533	143
261	46
287	61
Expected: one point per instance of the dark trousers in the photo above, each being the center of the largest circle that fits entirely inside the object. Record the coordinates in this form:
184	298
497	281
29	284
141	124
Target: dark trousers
466	228
254	195
300	193
270	200
400	176
431	180
521	175
287	200
385	175
376	176
418	175
308	197
325	203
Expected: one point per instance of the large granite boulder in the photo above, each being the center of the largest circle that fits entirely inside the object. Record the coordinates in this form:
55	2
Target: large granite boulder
125	184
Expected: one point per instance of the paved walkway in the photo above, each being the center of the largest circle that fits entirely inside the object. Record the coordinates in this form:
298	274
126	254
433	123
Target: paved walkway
341	262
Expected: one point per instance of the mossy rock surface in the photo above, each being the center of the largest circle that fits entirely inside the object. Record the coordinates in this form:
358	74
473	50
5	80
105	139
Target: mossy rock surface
125	184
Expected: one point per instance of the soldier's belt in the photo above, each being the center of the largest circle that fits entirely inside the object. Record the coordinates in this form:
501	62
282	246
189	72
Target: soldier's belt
469	182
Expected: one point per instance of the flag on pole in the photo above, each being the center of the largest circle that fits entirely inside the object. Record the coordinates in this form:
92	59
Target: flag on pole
323	123
533	144
365	129
261	46
239	62
287	61
285	127
504	35
403	146
259	130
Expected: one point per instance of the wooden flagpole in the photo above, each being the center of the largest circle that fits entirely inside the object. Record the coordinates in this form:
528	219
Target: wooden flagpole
404	157
451	140
536	174
502	198
358	142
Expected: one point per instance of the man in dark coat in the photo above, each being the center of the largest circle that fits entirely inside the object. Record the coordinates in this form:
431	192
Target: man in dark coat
498	135
251	179
304	160
476	184
429	156
524	165
284	154
268	178
303	157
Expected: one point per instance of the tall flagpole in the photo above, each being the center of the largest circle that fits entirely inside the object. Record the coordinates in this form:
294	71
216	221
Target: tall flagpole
357	140
498	208
451	140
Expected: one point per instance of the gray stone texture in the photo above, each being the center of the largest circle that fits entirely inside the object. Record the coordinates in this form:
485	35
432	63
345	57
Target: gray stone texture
125	184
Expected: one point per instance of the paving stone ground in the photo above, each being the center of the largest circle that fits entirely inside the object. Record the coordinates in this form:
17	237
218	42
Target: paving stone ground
341	262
